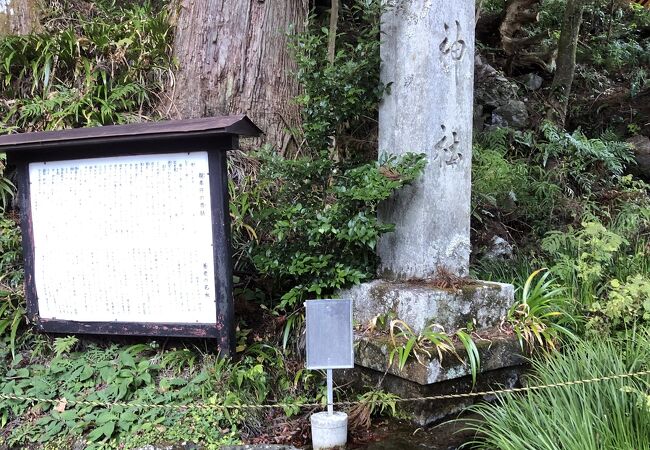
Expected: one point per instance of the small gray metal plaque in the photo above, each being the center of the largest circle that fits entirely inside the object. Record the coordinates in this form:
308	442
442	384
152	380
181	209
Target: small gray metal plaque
329	334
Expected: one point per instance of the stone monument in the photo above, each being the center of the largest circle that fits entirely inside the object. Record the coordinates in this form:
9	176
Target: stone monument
427	53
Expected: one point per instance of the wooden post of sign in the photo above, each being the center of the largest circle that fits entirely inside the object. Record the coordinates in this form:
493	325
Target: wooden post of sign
222	252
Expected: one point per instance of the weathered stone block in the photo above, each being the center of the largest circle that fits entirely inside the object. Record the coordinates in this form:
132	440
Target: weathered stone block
496	351
419	304
502	363
427	412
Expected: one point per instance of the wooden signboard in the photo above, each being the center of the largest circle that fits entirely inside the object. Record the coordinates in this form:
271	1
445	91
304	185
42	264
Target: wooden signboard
126	228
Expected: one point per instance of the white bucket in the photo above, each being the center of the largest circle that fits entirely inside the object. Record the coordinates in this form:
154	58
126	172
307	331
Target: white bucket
329	431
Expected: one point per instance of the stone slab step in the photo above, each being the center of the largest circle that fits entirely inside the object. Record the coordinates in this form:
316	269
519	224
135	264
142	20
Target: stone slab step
496	350
422	303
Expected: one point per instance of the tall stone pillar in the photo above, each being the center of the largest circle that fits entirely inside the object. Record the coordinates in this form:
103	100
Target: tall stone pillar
427	53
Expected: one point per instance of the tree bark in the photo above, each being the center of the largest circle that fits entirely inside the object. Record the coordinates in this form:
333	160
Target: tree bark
566	61
331	41
233	58
18	17
518	14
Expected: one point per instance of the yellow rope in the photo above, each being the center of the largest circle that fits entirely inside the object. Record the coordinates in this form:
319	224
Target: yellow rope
62	403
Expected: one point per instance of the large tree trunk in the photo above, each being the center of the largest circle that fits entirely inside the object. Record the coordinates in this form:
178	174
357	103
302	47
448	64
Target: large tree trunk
566	61
518	13
18	16
233	58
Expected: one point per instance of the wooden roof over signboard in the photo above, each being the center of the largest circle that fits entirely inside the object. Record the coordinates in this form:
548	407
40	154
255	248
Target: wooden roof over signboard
239	125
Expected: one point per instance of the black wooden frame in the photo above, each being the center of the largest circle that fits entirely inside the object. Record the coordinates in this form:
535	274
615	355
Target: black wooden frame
215	143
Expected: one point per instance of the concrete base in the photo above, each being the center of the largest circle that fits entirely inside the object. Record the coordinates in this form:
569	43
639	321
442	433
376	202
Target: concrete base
329	431
425	413
496	350
419	303
502	363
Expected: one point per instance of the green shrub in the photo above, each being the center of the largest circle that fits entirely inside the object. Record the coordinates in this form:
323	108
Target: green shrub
12	300
615	37
626	305
533	184
595	416
584	164
542	314
340	98
317	222
7	188
584	258
506	186
611	33
607	275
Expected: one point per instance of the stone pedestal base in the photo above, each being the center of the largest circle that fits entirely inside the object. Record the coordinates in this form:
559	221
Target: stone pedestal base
419	303
426	412
496	350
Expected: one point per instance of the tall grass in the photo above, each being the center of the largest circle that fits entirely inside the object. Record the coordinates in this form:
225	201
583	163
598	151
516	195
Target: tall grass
596	416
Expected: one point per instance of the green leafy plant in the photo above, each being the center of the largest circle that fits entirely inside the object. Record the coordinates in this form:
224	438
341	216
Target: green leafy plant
584	161
604	272
64	345
12	316
7	188
372	403
399	328
506	186
130	375
471	350
82	71
406	344
541	314
12	302
340	98
583	257
626	305
317	221
542	181
177	360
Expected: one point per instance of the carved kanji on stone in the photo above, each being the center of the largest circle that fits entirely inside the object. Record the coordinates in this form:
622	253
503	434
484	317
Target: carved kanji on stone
447	148
456	48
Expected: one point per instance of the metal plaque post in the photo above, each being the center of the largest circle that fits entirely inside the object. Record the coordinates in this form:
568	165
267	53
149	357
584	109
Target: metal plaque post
329	346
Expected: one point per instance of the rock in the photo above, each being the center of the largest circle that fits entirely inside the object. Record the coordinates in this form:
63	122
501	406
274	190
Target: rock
531	81
499	249
491	87
513	114
492	90
641	148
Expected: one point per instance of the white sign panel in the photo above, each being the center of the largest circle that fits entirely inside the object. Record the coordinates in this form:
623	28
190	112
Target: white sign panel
329	334
125	239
